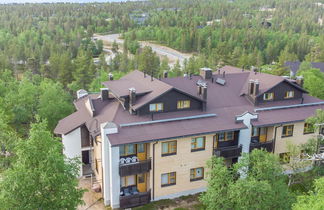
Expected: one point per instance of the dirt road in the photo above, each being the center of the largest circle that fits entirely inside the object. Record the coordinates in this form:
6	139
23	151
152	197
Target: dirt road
171	54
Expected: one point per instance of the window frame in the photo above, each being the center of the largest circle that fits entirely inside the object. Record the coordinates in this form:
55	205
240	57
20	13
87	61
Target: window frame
125	154
181	104
198	148
225	136
283	135
169	153
266	98
126	181
170	176
194	172
287	95
156	107
308	128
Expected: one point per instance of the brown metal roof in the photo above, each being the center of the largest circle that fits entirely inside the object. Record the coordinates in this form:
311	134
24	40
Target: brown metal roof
225	101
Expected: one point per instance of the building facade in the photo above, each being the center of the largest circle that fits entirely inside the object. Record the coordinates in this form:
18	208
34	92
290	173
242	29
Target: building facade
148	139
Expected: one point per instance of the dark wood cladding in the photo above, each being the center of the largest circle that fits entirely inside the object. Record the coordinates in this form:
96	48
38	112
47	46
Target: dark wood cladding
279	92
230	143
268	146
131	201
170	100
228	152
85	137
135	168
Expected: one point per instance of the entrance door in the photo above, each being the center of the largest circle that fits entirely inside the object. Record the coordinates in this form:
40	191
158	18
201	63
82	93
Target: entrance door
141	151
85	157
141	182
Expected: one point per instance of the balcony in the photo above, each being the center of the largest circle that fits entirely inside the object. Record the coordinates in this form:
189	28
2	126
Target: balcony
228	152
134	200
268	146
138	167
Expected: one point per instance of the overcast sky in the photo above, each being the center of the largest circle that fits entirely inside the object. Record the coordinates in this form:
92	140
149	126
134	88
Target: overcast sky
42	1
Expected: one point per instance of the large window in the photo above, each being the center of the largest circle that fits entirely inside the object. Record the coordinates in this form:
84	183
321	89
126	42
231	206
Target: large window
225	136
289	94
196	174
126	181
156	107
168	179
268	96
287	130
169	148
127	150
198	143
308	128
183	104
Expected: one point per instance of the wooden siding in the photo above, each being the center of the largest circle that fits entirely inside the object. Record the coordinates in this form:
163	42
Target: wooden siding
169	101
279	93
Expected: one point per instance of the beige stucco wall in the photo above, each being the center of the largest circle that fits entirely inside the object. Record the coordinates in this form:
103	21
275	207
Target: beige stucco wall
97	155
298	137
181	163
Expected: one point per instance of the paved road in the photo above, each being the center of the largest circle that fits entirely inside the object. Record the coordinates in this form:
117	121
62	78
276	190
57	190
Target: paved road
171	54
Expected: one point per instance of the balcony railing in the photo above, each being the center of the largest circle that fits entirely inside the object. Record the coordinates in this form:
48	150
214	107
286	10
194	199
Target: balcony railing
134	200
135	168
228	152
268	146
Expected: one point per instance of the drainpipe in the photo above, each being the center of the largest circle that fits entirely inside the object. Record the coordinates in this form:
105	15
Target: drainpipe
153	171
274	139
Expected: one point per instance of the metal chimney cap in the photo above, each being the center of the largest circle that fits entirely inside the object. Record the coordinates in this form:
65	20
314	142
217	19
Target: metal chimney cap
132	89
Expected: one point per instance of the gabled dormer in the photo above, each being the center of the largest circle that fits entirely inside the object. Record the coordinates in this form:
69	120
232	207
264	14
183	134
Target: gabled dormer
143	94
265	88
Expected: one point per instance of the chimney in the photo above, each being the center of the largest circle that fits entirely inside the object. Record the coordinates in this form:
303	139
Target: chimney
132	96
256	87
254	69
199	89
206	73
81	93
104	93
251	87
165	74
110	77
300	81
204	92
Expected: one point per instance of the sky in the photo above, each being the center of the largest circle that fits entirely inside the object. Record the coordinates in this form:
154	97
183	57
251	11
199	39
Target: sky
53	1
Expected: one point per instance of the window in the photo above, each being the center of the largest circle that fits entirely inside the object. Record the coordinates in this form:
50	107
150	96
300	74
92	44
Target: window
225	136
198	143
308	128
156	107
289	94
255	131
169	148
196	174
287	130
168	179
126	181
284	157
183	104
127	150
267	96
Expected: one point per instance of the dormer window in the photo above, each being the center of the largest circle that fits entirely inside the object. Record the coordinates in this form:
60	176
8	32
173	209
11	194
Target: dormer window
268	96
156	107
183	104
289	94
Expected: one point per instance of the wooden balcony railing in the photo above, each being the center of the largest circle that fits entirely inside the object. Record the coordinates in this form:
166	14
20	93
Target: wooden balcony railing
134	200
268	146
228	152
135	168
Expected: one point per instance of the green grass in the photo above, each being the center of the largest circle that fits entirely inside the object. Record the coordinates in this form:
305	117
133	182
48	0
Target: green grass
156	204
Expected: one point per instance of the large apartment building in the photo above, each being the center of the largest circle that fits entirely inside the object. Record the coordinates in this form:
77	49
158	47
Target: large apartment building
147	139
